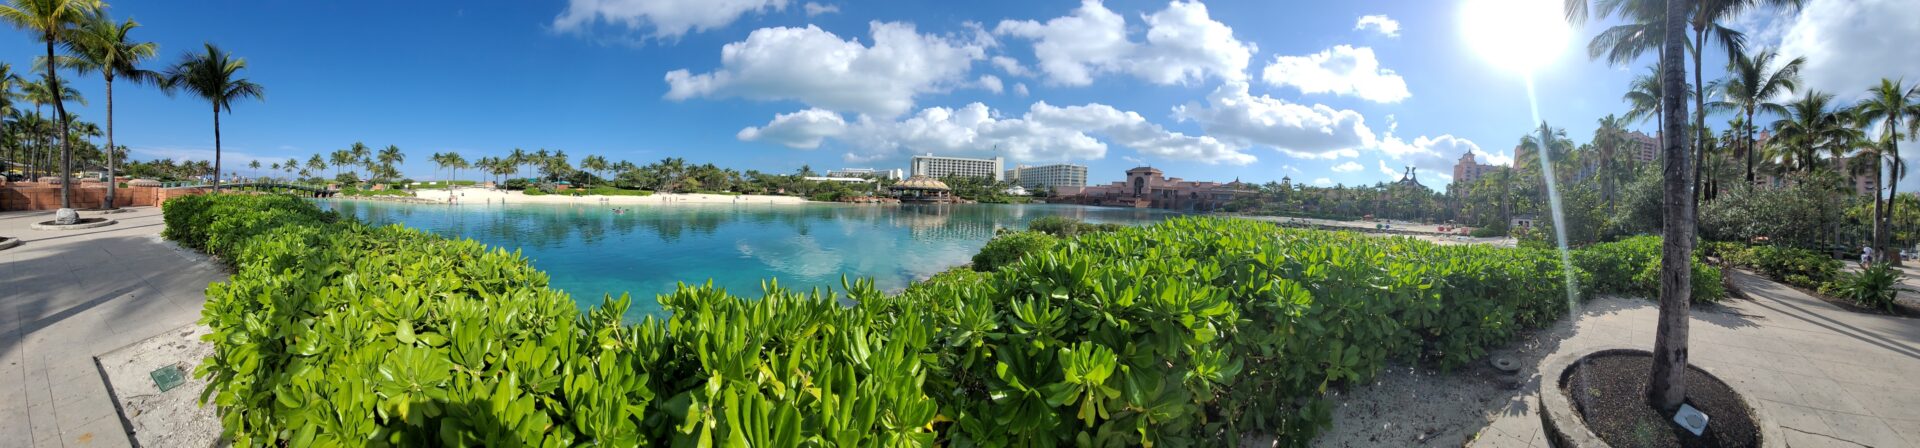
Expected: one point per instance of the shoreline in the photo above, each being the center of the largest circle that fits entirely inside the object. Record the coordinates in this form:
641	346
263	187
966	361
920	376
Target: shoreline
482	196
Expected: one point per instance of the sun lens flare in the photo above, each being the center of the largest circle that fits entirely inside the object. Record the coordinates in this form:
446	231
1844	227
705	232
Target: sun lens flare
1515	35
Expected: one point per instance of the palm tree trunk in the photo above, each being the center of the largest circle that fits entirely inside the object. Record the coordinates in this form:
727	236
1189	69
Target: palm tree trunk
1700	115
111	177
1893	190
1879	208
1666	390
216	148
1752	147
66	147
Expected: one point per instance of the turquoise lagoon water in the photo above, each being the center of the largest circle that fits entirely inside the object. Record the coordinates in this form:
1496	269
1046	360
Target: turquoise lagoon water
589	251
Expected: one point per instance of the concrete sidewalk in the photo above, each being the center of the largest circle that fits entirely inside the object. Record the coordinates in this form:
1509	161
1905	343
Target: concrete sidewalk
1828	376
66	296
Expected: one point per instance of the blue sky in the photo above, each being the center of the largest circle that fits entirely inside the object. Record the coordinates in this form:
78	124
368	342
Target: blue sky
1219	90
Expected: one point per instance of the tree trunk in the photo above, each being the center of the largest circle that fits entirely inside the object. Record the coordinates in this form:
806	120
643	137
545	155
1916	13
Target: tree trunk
1893	191
1666	390
60	113
216	148
1700	114
1753	147
111	177
1878	235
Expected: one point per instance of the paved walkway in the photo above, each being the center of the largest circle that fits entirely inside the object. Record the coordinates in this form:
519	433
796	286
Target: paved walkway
1830	377
66	296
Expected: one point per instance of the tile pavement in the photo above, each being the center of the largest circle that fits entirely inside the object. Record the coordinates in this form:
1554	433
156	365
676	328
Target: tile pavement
1828	376
66	296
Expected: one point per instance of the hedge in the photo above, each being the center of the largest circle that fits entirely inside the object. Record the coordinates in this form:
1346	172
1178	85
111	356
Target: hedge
1188	332
1632	266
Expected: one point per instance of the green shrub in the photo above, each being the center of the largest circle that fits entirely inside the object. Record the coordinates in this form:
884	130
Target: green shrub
1632	267
1798	267
1726	251
1064	227
1488	232
1188	332
1873	287
1008	248
611	191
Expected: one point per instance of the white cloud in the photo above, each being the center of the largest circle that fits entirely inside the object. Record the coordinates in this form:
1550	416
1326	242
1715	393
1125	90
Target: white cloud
1297	130
820	69
1851	44
814	9
1346	167
1341	70
991	84
805	129
1379	22
1390	172
667	18
1291	168
1134	160
1183	44
1020	89
1323	181
1044	133
1011	66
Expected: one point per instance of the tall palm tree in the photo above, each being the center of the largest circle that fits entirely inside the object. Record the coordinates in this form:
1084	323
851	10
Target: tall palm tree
390	156
1666	390
595	164
1607	140
1751	84
458	163
52	21
213	76
1809	130
9	84
339	158
315	164
516	158
101	45
1890	105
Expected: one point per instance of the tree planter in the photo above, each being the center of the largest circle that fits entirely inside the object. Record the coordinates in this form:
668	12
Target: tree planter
1567	426
83	223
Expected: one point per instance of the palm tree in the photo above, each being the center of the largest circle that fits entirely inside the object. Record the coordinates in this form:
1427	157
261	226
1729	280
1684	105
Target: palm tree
1809	130
516	158
455	161
339	158
315	164
52	21
1890	104
595	164
439	162
1607	139
101	45
389	157
1666	390
213	76
1752	82
360	154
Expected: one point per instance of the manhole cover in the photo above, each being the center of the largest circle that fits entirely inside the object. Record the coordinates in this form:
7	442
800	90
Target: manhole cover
169	377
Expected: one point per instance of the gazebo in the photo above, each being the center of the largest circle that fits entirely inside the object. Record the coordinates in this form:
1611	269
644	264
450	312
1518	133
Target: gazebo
923	189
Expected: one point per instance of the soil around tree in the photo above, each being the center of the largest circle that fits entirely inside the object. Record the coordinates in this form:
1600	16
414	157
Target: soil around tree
1610	395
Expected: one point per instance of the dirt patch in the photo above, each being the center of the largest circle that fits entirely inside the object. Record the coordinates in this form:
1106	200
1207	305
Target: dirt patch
1610	394
173	417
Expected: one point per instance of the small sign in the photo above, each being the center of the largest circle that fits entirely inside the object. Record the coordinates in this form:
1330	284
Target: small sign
169	377
1692	419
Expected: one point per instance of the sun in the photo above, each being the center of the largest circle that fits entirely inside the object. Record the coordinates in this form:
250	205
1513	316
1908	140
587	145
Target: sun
1517	35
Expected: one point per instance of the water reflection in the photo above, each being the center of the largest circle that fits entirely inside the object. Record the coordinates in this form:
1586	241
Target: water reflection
588	250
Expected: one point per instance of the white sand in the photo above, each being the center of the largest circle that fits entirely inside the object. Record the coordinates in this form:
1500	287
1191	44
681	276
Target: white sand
486	196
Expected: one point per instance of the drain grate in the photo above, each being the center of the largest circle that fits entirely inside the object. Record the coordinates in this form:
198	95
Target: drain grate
169	377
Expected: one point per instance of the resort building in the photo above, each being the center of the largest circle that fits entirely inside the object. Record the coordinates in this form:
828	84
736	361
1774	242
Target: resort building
1643	148
867	173
851	180
1468	170
939	167
1054	176
1148	187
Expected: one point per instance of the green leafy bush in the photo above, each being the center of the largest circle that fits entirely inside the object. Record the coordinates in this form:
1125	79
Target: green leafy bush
1798	267
1488	232
611	191
1188	332
1873	287
1008	248
1065	227
1726	251
357	192
1632	266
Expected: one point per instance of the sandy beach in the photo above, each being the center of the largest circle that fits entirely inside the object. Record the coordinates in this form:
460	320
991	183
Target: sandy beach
486	196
